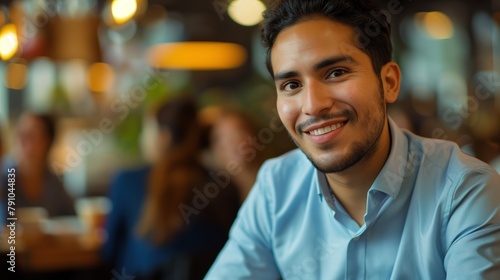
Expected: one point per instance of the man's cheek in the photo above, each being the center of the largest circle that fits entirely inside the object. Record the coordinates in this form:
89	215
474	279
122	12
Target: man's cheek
287	110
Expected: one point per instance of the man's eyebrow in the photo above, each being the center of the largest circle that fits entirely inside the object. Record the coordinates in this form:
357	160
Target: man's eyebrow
320	65
334	60
285	75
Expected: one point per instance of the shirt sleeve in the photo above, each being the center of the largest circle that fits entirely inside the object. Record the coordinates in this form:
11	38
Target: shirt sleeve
248	253
472	233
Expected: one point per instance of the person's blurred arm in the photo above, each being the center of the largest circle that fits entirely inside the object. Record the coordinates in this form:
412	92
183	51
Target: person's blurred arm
472	230
248	253
114	222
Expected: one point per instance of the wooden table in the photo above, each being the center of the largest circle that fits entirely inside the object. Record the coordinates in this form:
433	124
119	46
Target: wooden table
58	255
42	252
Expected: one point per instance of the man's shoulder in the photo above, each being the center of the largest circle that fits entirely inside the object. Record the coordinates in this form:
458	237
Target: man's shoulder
443	155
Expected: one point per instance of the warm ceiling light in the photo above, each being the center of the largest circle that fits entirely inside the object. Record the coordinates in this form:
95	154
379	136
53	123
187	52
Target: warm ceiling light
100	77
8	41
123	10
438	25
197	56
246	12
16	75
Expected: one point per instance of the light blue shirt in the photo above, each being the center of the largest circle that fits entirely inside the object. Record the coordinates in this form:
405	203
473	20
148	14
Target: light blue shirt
433	212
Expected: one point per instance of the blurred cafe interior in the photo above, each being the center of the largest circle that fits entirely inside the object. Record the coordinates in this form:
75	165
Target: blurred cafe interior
101	67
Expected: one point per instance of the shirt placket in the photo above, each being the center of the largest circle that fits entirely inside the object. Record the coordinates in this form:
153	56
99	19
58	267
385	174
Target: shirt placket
356	257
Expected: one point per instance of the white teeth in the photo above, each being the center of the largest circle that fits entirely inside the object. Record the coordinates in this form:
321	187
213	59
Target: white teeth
326	129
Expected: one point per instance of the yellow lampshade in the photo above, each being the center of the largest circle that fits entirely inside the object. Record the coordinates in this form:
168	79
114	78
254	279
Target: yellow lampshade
197	56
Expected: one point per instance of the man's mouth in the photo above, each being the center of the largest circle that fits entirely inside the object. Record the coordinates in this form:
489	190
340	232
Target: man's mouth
326	129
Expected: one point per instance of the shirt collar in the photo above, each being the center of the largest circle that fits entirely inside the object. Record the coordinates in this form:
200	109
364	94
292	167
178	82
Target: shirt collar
390	178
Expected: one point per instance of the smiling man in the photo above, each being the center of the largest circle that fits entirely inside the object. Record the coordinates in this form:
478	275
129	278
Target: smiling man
360	198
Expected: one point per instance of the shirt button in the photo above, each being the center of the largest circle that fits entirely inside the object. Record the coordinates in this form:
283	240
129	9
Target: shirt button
355	238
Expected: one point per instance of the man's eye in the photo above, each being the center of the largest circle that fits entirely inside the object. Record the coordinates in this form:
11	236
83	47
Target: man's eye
289	86
337	73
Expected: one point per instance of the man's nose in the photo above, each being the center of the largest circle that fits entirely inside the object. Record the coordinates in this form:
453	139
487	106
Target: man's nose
316	99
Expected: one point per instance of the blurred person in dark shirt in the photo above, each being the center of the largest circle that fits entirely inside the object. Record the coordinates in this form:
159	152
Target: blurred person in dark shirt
36	185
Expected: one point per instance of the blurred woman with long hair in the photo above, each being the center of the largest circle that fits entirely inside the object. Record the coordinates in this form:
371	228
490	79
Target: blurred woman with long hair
231	138
154	222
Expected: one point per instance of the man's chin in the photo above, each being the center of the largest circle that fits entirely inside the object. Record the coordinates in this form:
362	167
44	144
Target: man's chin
328	165
329	168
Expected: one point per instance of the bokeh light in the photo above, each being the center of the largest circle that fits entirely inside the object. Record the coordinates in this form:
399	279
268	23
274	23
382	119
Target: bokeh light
437	24
100	77
123	10
8	41
246	12
16	76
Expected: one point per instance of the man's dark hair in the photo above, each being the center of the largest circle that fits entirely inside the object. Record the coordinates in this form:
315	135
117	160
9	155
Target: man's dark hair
371	27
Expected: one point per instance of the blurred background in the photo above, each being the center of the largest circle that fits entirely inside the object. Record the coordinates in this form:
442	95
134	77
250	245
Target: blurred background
102	66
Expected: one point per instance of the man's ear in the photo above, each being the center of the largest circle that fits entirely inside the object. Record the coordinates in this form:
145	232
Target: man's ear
391	81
